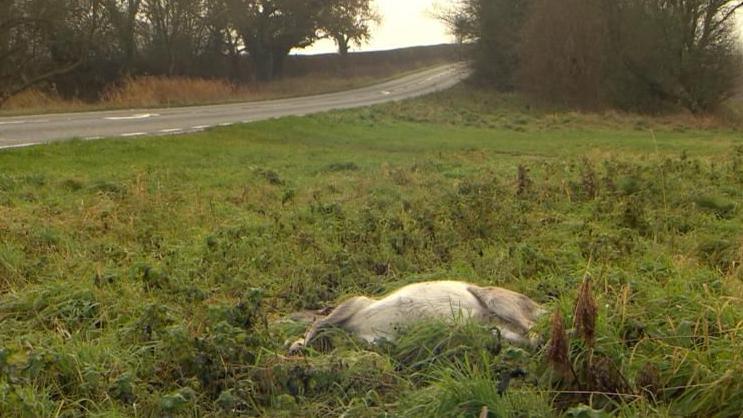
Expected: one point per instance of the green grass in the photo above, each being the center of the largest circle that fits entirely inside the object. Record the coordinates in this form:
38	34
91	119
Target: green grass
149	277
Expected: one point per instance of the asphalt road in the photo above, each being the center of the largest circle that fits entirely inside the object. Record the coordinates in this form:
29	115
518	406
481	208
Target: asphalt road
25	131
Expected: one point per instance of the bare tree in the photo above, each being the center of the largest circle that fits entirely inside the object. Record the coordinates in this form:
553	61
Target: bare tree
684	52
123	16
461	19
77	47
178	31
41	39
270	29
348	22
563	53
223	40
495	27
637	54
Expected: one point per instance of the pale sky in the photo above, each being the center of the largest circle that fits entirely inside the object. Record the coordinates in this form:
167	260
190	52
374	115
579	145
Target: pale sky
404	23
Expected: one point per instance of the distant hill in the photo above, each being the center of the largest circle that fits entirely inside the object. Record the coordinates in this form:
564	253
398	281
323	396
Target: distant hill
370	63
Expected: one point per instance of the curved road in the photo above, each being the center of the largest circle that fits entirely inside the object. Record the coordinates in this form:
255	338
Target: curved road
32	130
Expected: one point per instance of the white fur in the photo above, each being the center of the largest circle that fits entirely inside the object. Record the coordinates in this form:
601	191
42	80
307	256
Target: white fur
432	300
370	319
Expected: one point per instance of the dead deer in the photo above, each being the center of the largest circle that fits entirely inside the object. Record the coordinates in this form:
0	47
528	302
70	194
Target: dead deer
372	320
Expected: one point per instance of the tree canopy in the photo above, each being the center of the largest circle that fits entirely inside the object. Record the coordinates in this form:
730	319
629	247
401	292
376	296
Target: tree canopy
348	22
77	46
635	54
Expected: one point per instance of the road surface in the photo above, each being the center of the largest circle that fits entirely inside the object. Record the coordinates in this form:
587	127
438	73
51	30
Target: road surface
25	131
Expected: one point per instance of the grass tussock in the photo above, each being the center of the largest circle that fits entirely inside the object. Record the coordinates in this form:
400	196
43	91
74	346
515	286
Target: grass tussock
153	277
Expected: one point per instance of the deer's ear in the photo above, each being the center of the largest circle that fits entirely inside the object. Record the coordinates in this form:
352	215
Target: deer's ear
481	295
510	307
495	298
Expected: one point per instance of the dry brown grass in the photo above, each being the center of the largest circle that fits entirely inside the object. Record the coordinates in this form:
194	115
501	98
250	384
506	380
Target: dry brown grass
37	99
150	91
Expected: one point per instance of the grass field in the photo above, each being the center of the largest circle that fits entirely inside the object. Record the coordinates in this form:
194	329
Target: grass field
150	277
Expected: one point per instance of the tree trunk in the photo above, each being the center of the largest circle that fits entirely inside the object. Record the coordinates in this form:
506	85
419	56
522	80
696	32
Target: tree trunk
279	58
264	65
235	68
343	45
130	40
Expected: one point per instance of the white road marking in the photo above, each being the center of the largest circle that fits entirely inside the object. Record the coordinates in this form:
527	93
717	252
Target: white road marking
93	138
167	131
141	116
406	87
28	144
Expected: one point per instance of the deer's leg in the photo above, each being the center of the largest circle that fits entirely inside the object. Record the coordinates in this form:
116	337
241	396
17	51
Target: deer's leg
339	315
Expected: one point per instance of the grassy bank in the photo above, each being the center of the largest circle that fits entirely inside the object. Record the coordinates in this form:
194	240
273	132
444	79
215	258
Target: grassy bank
149	277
